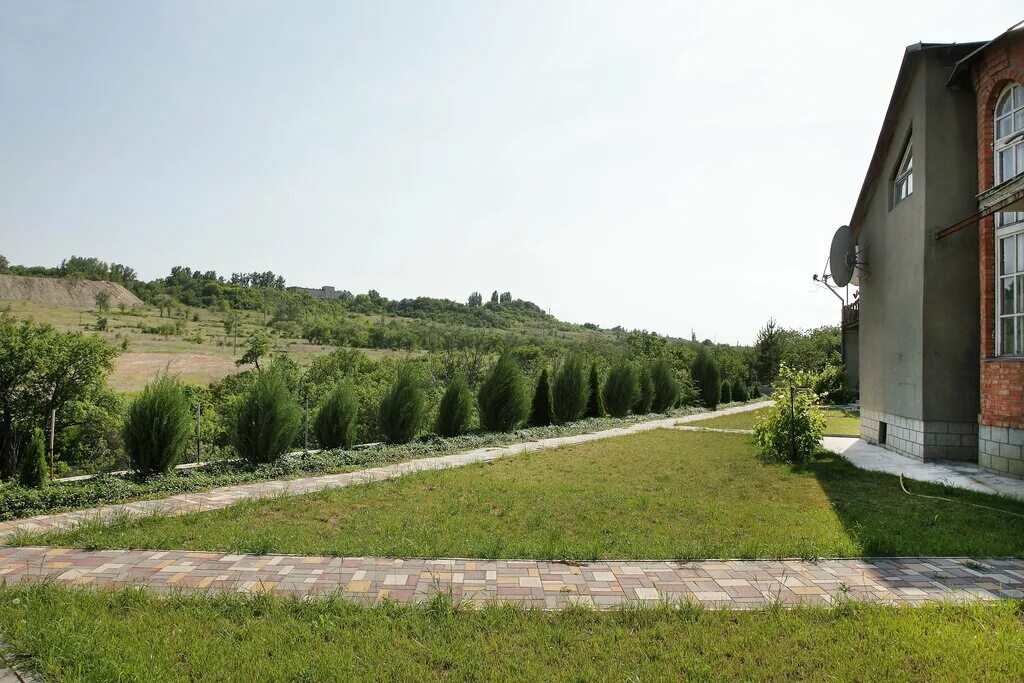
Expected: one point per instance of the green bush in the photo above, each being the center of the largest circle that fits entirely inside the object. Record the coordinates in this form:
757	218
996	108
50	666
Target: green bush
503	401
645	393
595	402
32	470
267	418
337	419
542	411
403	407
621	390
666	386
571	390
830	385
739	391
456	409
726	392
791	429
158	427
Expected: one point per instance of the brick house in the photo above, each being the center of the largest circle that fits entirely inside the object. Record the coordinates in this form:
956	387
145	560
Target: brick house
939	222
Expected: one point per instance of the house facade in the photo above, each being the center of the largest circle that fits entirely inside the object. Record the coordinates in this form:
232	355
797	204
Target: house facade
939	224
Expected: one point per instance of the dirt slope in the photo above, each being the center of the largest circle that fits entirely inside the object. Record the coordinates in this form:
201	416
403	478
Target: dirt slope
63	291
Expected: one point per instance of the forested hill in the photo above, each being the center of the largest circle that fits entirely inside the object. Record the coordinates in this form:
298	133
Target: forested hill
266	292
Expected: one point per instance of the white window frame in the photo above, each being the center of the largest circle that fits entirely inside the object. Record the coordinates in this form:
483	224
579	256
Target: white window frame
904	176
1009	224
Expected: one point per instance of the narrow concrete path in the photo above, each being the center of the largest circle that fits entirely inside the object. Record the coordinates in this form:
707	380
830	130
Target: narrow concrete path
228	495
730	584
961	475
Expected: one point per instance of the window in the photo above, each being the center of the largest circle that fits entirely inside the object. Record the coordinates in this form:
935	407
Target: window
1009	163
903	184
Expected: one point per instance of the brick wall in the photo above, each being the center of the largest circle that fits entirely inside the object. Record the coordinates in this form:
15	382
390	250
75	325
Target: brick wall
1002	380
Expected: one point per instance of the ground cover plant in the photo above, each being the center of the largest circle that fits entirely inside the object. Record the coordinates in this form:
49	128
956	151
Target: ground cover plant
838	421
657	494
77	634
17	502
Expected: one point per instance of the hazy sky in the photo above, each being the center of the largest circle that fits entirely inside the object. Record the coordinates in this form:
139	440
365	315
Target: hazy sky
668	166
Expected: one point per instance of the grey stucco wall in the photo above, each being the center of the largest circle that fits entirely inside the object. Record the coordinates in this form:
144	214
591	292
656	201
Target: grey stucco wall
919	313
952	303
892	305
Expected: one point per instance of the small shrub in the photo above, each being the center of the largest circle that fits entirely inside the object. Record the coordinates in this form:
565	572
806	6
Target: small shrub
158	427
32	470
403	407
571	390
267	419
595	402
337	419
456	409
666	386
621	390
645	394
791	429
542	412
503	401
726	392
739	391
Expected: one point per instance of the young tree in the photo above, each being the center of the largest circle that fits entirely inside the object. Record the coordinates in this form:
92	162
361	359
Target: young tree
726	392
768	350
739	391
621	390
259	345
337	419
102	299
666	386
158	427
711	384
595	402
503	400
571	390
456	408
542	411
403	408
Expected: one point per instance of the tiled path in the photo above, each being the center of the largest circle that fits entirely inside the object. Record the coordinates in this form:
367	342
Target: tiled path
228	495
733	584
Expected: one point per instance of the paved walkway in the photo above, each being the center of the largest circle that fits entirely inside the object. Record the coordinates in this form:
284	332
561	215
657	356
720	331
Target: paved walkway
963	475
229	495
733	584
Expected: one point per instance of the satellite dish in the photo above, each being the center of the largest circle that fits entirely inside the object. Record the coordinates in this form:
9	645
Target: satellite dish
843	256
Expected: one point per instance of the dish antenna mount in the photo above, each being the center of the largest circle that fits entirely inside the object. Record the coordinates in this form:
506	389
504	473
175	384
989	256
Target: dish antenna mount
845	261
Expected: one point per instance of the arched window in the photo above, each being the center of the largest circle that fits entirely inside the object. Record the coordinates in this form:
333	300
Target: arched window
1009	163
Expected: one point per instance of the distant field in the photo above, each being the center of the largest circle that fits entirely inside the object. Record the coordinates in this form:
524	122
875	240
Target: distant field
182	354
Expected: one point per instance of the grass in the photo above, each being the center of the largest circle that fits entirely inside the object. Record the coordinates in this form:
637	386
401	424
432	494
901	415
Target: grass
69	634
658	494
838	422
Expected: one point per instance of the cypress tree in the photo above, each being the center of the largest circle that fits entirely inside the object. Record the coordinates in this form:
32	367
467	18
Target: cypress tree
665	386
542	411
595	404
402	409
32	470
646	393
336	421
456	408
726	393
621	390
739	391
503	401
571	390
158	426
711	390
268	419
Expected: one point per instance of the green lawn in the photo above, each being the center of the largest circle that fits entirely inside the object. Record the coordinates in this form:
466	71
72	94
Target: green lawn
82	635
838	422
658	494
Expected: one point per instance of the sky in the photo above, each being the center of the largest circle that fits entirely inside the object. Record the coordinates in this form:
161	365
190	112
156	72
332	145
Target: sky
670	166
